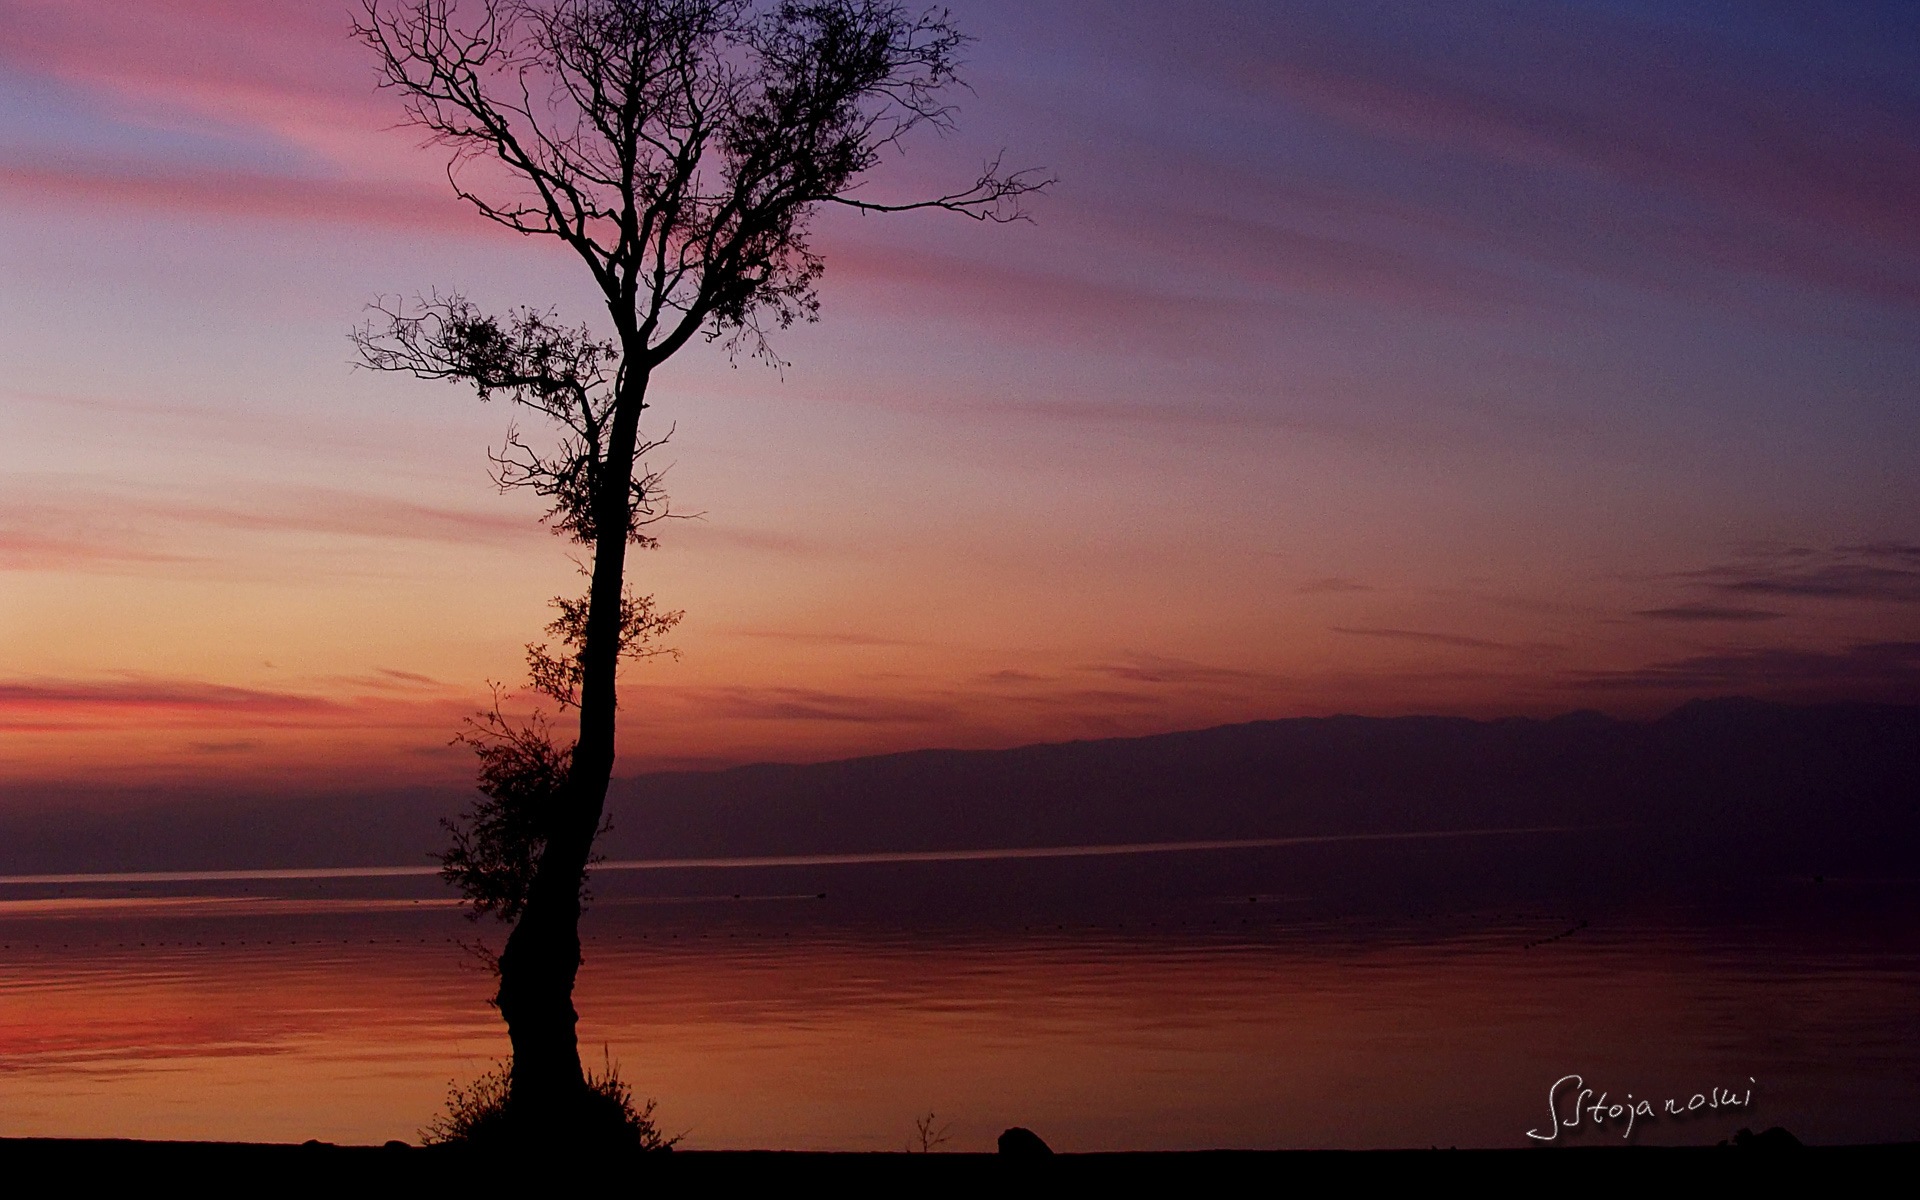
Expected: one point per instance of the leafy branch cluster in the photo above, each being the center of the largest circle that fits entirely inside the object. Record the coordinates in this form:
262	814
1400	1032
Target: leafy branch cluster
641	624
497	842
524	772
565	374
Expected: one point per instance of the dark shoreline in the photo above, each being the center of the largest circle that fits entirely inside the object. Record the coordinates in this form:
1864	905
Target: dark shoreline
316	1163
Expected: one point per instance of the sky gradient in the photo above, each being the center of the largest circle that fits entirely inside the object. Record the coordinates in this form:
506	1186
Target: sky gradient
1384	358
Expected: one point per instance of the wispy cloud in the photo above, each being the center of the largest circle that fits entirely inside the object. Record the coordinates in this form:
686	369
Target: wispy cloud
1420	635
132	702
772	541
1014	677
1883	571
822	638
1333	585
1878	670
1033	302
1634	149
237	194
386	679
354	514
1841	581
1157	669
1091	704
408	676
1798	148
22	550
1707	613
1894	551
253	423
116	529
232	747
814	704
40	698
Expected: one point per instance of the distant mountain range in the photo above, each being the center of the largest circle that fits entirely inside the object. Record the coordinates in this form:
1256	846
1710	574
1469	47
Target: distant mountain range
1828	787
1837	783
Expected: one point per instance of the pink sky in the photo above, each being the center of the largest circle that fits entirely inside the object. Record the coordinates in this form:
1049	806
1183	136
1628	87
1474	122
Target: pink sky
1447	364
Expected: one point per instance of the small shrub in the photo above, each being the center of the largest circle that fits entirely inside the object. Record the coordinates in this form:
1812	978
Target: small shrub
927	1136
475	1114
612	1112
607	1117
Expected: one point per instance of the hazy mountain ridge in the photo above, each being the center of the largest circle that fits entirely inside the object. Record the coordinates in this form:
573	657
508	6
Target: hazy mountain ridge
1839	779
1830	784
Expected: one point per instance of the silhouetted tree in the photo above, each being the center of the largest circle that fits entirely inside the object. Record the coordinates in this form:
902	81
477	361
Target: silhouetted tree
680	149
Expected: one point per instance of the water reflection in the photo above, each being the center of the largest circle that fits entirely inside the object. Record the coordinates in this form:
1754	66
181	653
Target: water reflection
770	1016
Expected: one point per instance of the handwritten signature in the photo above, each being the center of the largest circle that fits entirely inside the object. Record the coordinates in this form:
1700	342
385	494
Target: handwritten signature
1600	1110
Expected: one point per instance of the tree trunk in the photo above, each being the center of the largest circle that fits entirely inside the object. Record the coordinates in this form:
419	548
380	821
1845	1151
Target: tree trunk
542	956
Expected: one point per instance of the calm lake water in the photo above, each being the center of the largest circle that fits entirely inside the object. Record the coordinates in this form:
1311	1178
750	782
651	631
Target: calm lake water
1101	1011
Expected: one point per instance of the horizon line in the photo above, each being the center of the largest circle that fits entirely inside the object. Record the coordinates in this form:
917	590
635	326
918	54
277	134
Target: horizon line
1091	850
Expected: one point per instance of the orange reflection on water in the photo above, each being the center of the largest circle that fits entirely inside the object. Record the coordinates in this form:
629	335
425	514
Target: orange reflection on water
1112	1043
348	1026
270	1029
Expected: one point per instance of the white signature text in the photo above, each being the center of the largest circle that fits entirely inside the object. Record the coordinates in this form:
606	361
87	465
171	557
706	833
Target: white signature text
1570	1103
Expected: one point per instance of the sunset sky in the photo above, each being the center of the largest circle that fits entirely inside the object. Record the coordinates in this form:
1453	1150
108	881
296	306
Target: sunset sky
1367	357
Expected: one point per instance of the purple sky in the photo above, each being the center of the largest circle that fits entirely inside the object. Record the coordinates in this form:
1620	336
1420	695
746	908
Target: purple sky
1368	357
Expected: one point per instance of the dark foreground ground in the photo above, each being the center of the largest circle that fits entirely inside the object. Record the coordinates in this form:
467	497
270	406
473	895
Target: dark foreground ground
298	1169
